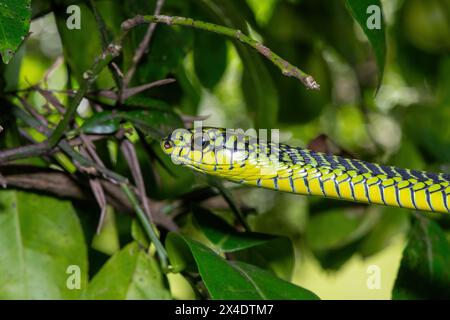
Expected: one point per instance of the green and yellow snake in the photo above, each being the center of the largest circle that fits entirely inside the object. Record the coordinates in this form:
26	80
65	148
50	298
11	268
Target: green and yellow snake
235	156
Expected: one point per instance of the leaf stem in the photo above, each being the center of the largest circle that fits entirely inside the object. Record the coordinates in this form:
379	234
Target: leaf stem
286	68
148	227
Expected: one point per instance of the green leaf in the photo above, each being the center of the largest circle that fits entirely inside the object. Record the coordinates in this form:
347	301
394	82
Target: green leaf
138	234
271	252
15	18
129	274
424	270
105	122
40	237
223	236
107	241
376	36
77	53
156	124
210	58
276	255
151	122
233	280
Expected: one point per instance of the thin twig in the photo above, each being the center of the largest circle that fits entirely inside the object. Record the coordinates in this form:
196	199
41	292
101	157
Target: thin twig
130	155
143	46
286	68
97	189
129	92
58	62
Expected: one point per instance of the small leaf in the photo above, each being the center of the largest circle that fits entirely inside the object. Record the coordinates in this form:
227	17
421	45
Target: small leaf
151	122
369	15
129	274
107	241
138	234
105	122
156	124
235	280
15	18
424	270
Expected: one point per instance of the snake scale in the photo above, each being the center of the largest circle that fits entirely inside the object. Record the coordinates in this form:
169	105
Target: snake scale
235	156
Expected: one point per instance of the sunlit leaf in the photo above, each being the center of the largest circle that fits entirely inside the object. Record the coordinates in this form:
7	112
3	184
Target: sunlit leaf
130	274
41	246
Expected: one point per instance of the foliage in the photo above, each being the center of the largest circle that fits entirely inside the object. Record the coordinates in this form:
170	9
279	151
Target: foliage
72	201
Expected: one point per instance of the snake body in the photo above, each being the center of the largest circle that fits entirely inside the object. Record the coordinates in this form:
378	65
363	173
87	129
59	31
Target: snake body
241	158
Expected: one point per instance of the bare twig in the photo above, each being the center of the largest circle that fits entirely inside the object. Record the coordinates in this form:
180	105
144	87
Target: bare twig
286	68
96	187
143	47
64	185
99	194
129	92
58	62
130	155
52	99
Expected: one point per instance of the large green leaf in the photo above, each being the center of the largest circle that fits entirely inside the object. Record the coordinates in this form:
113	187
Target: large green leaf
377	36
266	251
77	53
15	18
230	280
210	58
130	274
223	236
40	238
424	270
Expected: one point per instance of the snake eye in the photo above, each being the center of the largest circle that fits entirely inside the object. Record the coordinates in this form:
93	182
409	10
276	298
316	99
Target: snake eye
167	145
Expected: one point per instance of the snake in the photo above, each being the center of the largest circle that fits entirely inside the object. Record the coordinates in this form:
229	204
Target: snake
240	157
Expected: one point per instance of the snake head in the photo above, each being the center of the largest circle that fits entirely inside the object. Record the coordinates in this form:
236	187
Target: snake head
207	149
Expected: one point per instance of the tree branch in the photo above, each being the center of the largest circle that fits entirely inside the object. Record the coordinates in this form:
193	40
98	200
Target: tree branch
286	68
89	76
